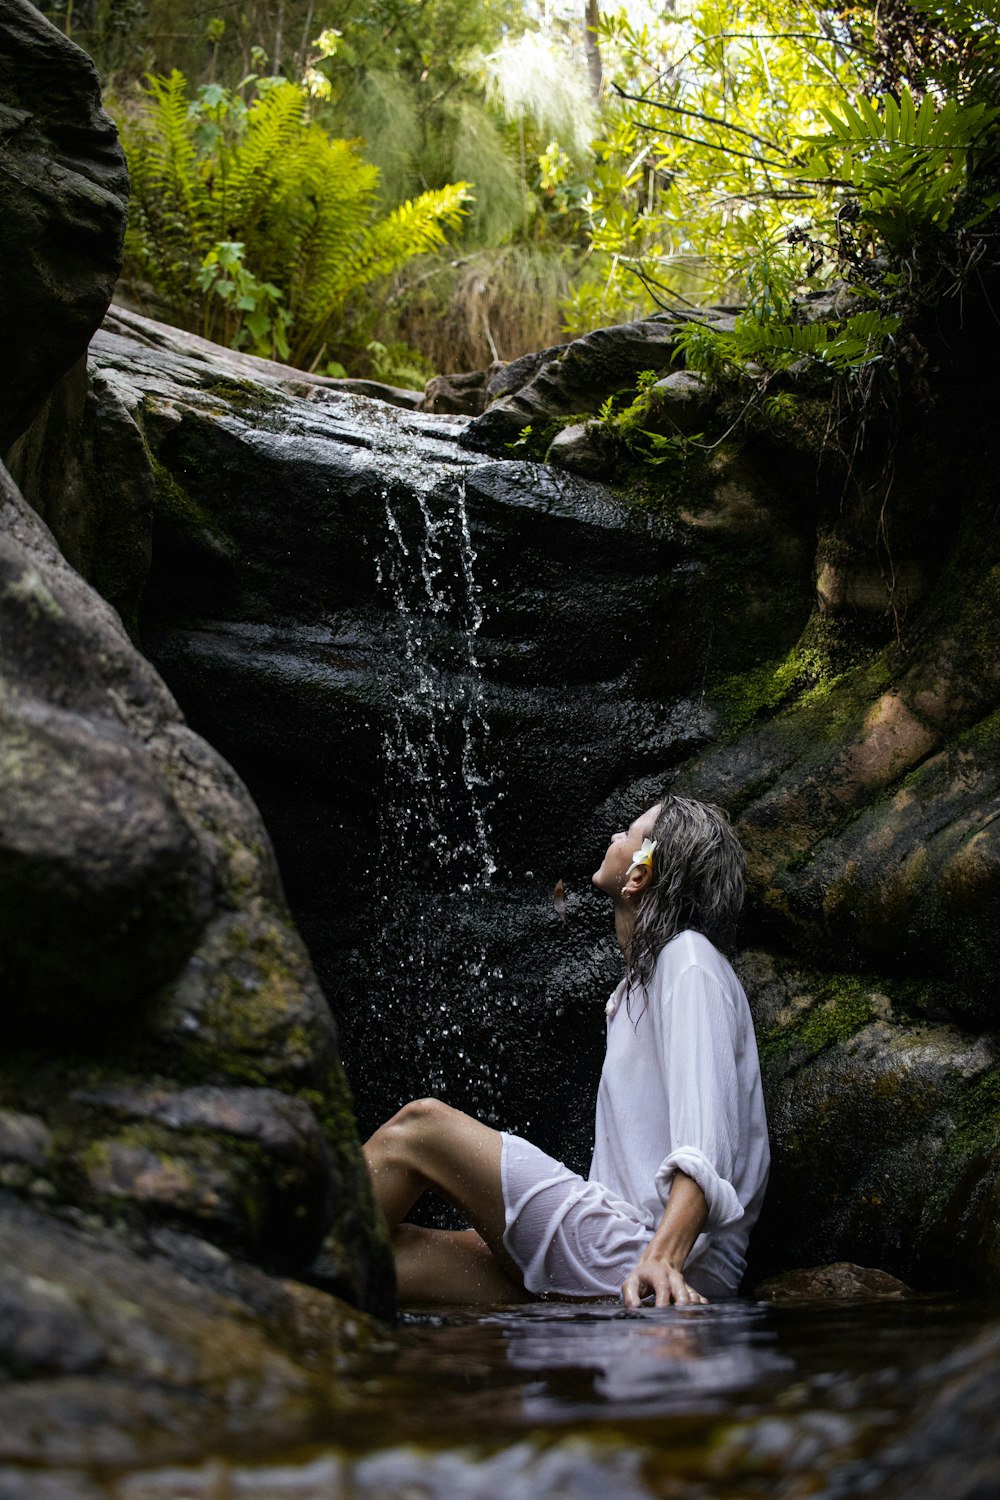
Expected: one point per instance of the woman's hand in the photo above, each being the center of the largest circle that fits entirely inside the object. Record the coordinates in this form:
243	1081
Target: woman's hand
658	1271
659	1279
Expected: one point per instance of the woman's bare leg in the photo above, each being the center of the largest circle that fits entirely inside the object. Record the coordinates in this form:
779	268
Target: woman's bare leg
444	1265
430	1146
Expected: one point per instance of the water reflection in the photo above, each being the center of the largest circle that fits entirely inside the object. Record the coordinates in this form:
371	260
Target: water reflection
653	1361
731	1401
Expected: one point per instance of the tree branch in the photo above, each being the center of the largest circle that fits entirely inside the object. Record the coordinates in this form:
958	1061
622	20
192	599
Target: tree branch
696	114
694	140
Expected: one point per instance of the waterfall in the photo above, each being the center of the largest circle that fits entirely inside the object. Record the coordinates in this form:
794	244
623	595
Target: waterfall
433	816
426	971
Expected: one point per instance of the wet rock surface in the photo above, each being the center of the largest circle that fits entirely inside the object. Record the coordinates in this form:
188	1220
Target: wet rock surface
840	1281
544	388
115	1349
329	580
144	934
65	195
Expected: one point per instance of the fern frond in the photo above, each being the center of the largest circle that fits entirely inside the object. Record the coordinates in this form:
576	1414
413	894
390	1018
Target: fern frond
171	204
906	163
856	342
317	222
414	228
343	266
253	167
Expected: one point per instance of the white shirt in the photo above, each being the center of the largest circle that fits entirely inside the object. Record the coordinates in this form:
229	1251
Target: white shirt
680	1091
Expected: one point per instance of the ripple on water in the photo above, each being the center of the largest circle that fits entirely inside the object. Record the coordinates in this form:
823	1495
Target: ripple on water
733	1401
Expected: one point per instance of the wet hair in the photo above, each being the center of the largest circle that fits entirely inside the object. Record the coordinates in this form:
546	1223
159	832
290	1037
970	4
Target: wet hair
697	882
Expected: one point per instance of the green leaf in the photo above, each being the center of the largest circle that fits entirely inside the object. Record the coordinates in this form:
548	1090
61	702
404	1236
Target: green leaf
871	118
892	118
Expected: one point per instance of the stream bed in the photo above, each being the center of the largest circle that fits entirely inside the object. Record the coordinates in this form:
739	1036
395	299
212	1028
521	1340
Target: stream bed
888	1398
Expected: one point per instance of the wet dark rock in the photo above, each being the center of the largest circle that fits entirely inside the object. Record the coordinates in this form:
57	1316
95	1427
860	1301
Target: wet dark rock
836	1282
463	394
131	1356
887	781
105	882
104	532
65	193
880	1126
584	450
142	916
142	922
24	1140
545	389
680	404
248	1166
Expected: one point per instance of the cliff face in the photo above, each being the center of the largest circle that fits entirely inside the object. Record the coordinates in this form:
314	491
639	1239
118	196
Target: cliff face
65	191
171	1099
756	632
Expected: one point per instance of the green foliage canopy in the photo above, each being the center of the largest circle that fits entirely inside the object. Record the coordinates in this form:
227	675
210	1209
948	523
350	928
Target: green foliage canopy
750	162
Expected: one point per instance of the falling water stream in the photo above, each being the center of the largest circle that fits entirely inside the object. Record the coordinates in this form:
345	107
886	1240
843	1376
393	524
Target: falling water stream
433	815
427	952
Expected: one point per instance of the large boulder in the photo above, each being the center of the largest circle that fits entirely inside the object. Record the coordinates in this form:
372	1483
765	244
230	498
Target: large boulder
65	193
105	883
144	928
541	391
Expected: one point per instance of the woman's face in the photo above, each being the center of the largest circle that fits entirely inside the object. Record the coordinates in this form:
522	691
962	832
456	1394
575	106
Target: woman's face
616	863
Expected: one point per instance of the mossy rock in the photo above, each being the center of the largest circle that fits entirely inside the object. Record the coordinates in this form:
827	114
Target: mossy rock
883	1127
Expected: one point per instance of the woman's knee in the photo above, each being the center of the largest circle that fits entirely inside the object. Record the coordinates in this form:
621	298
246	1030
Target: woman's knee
414	1125
419	1111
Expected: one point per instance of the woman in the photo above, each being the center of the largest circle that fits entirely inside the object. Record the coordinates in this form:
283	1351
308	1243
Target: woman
681	1156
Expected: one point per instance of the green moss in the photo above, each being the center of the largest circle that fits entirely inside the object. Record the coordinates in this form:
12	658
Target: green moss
245	396
828	680
977	607
806	674
842	1007
744	696
175	501
534	441
977	1127
333	1106
255	1018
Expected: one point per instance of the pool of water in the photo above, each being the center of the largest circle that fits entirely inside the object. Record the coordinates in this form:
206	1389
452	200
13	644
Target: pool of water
733	1400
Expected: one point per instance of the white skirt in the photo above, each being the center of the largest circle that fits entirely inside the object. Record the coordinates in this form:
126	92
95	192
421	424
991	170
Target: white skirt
569	1237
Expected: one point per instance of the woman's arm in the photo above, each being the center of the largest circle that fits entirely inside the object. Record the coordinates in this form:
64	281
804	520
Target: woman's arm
659	1270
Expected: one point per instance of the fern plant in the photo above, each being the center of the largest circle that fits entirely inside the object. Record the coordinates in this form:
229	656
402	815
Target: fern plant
252	226
715	185
904	164
860	340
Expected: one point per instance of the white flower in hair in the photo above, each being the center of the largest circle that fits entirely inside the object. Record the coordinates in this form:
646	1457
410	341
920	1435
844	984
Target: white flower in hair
644	856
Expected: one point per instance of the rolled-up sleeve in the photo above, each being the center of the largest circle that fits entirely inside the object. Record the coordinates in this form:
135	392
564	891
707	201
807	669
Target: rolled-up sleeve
698	1036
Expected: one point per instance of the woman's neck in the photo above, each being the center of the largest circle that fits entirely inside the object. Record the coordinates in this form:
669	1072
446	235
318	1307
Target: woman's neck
624	924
